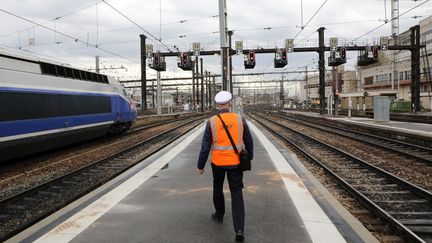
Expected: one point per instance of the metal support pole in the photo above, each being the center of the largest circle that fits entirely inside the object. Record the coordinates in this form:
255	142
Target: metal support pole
210	92
197	74
202	86
321	70
230	33
281	95
214	90
307	89
153	96
225	75
143	75
159	94
336	96
97	64
415	68
335	89
193	86
223	42
206	80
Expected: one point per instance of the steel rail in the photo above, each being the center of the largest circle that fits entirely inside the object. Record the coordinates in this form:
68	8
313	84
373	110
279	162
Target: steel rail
61	179
351	134
368	203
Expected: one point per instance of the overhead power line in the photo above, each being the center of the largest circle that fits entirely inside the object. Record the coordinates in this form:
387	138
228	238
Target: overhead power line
386	22
66	35
54	19
133	22
183	21
310	19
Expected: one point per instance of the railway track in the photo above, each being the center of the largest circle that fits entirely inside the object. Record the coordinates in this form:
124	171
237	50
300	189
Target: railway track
21	210
405	208
417	152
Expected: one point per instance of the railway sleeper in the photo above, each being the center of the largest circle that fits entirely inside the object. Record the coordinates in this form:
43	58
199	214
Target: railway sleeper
421	229
391	238
420	207
57	187
366	186
356	175
410	214
70	182
89	174
16	206
387	192
425	222
389	195
30	199
45	193
403	201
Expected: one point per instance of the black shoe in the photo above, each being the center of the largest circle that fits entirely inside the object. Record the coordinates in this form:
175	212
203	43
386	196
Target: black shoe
217	218
239	236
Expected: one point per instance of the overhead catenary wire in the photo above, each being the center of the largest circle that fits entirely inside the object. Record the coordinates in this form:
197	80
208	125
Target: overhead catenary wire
38	54
133	22
66	35
183	21
386	22
53	19
310	19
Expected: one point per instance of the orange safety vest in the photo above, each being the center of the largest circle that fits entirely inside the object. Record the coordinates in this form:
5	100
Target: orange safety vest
223	153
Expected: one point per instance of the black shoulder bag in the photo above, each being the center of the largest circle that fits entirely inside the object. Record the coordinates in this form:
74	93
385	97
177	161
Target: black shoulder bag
245	163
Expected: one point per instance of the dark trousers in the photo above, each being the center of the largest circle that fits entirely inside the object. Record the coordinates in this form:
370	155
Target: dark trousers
235	181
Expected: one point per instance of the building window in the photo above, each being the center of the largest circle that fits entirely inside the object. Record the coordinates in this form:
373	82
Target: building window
408	75
382	78
395	74
368	80
401	76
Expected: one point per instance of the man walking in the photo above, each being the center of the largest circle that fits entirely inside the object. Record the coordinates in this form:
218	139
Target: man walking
224	160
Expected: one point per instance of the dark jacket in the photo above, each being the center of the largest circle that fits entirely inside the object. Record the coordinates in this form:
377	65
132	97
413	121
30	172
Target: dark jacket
207	142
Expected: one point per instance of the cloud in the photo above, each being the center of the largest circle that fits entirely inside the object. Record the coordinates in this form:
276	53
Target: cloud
117	34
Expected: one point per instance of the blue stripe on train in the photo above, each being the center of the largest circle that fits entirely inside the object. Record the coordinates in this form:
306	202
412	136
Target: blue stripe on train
47	91
120	111
11	128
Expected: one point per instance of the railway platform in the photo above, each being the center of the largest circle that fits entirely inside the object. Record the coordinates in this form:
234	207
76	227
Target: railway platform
163	199
418	133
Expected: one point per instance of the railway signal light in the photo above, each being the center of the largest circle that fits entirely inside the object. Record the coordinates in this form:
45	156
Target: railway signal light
337	58
368	56
156	59
158	63
249	61
375	52
284	54
185	62
185	58
280	59
342	53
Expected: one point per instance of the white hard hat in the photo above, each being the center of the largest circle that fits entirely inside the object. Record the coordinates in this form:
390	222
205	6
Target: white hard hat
223	97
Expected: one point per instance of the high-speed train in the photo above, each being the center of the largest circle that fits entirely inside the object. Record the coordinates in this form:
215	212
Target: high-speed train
44	105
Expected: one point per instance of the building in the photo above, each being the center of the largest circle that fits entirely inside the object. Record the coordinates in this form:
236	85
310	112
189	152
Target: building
347	83
391	75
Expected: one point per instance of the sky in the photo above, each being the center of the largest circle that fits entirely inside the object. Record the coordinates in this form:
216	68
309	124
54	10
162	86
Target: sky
90	23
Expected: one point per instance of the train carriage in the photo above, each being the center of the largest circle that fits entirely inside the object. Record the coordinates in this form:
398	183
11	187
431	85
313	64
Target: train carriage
44	105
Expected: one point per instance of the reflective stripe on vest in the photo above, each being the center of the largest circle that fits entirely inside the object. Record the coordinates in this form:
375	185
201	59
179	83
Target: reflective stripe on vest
223	153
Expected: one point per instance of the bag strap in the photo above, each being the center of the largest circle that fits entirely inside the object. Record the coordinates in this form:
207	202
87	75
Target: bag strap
228	133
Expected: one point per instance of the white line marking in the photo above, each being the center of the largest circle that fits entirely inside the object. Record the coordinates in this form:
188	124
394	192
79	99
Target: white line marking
421	132
34	134
77	223
320	227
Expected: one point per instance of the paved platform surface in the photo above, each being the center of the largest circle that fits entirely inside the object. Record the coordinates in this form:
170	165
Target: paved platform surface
421	129
167	201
